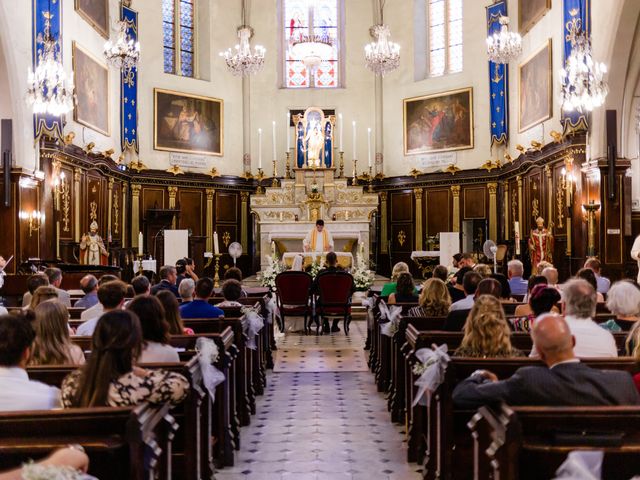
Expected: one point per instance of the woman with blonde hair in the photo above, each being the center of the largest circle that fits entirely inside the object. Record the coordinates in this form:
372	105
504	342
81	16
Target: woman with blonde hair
52	345
42	294
486	332
390	287
434	300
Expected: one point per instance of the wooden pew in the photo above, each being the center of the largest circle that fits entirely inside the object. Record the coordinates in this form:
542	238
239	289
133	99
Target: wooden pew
128	442
74	313
532	442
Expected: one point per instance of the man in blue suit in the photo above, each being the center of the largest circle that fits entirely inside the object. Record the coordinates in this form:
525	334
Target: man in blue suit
200	306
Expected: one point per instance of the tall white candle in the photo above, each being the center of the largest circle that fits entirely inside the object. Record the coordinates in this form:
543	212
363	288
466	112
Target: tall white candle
354	139
340	130
273	139
216	245
287	129
369	145
259	148
140	243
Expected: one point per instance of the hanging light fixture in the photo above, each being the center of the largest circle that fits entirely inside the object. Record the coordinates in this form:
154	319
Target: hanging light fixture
504	46
312	49
582	79
243	61
124	52
49	90
382	56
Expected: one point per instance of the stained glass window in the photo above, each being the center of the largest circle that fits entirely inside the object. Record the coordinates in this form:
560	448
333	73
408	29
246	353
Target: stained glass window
318	17
445	36
178	23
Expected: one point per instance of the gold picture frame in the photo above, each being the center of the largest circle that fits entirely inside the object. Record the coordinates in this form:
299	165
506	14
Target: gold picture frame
537	70
92	13
423	130
531	14
188	123
92	106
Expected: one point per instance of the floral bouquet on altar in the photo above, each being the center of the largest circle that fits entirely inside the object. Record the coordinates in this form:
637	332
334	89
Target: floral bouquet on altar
362	276
270	273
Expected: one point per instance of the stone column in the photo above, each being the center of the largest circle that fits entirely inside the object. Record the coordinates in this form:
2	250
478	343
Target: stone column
455	191
384	248
77	172
135	213
209	225
493	211
418	194
244	226
173	192
505	209
109	205
520	214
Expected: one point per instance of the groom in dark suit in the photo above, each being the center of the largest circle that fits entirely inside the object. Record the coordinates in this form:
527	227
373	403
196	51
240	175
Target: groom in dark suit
563	382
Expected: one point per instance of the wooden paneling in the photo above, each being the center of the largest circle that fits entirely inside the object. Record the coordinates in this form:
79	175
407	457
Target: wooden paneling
612	224
438	211
474	203
227	235
151	197
29	241
226	207
116	211
192	213
402	237
401	206
534	200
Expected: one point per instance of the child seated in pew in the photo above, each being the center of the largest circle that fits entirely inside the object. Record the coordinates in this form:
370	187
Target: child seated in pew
155	330
111	377
52	345
172	312
232	292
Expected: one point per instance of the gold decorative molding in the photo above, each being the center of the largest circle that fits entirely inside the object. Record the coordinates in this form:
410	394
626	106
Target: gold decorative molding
77	175
138	166
402	237
452	169
173	193
135	213
490	165
384	247
418	219
557	136
520	206
536	146
508	158
493	210
116	214
455	192
210	192
414	172
505	210
213	173
244	220
175	169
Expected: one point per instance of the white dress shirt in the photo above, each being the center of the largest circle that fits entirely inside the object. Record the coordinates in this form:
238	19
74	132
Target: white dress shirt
591	339
3	311
94	312
154	352
465	304
17	392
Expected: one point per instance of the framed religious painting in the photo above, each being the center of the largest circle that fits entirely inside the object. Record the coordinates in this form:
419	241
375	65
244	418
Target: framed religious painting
530	12
96	12
187	123
535	88
438	122
91	78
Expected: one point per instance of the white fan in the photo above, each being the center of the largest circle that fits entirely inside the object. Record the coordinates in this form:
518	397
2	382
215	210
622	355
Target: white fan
490	248
235	250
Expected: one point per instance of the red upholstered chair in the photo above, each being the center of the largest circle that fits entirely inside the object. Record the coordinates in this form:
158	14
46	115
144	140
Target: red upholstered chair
334	291
292	296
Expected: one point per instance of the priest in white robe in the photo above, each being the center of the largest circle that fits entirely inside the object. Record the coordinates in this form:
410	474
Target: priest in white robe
318	239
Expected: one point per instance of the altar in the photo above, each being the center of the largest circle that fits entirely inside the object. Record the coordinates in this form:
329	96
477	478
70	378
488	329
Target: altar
345	259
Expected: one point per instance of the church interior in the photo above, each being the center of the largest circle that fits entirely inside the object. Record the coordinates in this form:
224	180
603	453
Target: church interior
320	239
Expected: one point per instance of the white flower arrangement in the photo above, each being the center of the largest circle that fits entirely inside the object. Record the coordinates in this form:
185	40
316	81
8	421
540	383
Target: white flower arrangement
362	276
269	274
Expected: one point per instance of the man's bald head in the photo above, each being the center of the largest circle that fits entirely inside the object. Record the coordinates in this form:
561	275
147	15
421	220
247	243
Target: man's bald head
553	338
89	283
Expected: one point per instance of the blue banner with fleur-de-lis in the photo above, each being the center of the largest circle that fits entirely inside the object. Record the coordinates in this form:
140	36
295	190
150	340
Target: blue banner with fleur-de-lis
577	17
498	81
46	11
129	89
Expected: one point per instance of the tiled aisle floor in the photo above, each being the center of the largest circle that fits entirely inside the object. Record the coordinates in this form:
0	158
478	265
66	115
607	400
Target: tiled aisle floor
322	425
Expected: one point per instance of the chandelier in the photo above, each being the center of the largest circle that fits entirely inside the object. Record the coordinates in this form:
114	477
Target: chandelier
312	49
382	56
582	79
244	61
504	46
49	91
124	52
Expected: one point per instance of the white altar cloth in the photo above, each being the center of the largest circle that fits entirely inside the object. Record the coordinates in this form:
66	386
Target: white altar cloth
345	259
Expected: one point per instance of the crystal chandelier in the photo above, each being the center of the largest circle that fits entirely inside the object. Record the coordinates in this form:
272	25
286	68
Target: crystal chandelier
49	91
504	46
312	49
243	61
124	52
382	56
582	79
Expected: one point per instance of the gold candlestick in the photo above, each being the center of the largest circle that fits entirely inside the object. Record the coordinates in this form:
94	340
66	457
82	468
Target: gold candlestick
341	174
216	276
370	189
260	176
274	182
287	165
140	270
355	172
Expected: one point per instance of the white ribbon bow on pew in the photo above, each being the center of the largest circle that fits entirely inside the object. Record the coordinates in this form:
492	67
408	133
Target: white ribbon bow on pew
581	465
207	356
368	303
432	367
252	323
393	315
272	310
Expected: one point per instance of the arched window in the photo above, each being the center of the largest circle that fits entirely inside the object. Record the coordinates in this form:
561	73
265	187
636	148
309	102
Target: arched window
319	17
178	28
445	36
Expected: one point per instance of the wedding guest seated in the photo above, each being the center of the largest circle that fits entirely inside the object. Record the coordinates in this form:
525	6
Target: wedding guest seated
543	299
623	300
33	282
467	260
434	300
43	294
563	381
72	457
331	263
588	275
17	392
441	272
632	348
185	269
542	265
172	312
456	319
515	270
579	305
141	285
505	288
89	285
200	307
525	309
551	274
483	269
470	282
405	290
55	280
155	331
111	378
389	288
603	282
486	332
186	289
111	296
168	277
455	286
232	292
52	345
97	310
